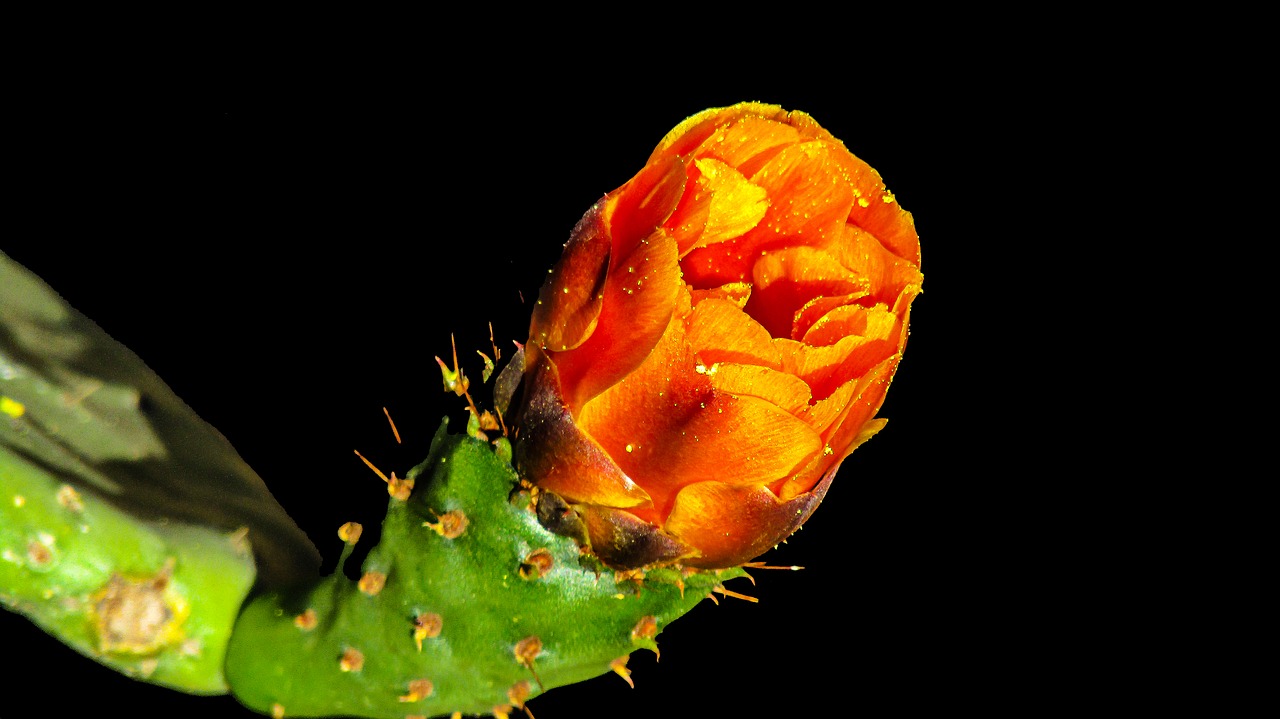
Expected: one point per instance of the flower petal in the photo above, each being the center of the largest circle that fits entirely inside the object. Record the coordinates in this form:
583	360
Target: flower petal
638	302
668	422
886	273
557	454
824	466
779	388
720	206
877	211
785	280
571	297
719	331
694	131
809	205
635	210
731	525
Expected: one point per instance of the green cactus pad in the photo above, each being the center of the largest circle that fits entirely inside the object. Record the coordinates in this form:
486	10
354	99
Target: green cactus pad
155	601
453	614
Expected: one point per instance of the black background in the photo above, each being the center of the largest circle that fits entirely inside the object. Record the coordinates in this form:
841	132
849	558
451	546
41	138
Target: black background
290	250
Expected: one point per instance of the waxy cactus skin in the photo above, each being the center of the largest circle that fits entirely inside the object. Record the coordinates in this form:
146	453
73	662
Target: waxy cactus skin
154	601
502	610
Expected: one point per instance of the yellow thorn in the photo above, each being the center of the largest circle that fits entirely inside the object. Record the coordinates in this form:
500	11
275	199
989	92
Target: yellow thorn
735	595
762	565
394	431
370	466
619	667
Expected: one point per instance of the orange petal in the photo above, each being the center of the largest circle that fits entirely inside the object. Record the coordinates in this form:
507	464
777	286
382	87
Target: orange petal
809	200
748	143
731	525
570	299
553	453
809	192
814	309
720	206
850	420
743	440
827	367
786	280
736	292
666	425
693	131
784	390
887	274
638	301
877	211
824	466
876	322
719	331
634	211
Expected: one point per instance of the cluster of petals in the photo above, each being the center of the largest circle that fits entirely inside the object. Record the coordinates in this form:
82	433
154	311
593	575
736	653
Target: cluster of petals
717	337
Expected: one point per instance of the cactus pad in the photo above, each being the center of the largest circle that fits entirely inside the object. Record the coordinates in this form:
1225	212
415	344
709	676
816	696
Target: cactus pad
466	605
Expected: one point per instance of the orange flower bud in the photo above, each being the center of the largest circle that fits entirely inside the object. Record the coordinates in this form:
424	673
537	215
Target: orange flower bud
717	337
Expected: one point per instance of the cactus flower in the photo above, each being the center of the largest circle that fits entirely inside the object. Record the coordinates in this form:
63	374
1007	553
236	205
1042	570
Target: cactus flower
716	338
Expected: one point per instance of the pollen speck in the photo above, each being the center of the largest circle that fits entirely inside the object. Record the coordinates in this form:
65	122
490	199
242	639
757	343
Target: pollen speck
630	448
